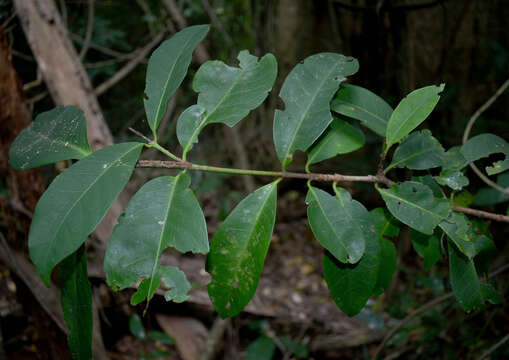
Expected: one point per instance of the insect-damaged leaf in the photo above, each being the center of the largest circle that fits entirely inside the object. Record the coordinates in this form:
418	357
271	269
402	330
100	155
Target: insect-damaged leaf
351	285
75	203
307	92
76	301
238	251
226	94
411	112
163	213
166	69
339	223
413	203
459	230
55	135
419	151
484	145
363	105
339	138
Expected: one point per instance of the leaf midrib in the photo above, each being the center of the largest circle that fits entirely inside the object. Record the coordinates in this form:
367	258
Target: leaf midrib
305	113
81	197
411	156
410	203
358	107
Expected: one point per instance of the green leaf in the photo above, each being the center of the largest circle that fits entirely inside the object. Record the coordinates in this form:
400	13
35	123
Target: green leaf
411	112
136	327
459	230
161	337
55	135
386	226
489	293
363	105
484	145
296	348
351	285
167	68
340	138
163	213
414	204
464	280
452	178
227	94
418	151
238	251
262	348
76	298
489	196
430	182
428	247
340	224
307	92
75	203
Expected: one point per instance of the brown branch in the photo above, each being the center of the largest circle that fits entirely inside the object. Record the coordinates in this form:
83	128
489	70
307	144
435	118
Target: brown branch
90	30
481	214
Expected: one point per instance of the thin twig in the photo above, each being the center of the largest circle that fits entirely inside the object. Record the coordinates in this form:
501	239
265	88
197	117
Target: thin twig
494	347
380	178
102	49
136	132
468	128
213	17
90	30
424	308
127	68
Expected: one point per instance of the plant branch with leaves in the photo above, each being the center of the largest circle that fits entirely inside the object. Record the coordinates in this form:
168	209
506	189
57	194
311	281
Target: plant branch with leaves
322	117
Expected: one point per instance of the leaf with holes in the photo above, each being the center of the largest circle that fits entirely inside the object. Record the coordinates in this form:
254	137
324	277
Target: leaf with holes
307	92
413	203
363	105
75	203
419	151
238	251
386	227
339	223
172	278
340	138
163	213
411	112
166	70
351	285
55	135
226	94
452	178
76	298
459	230
484	145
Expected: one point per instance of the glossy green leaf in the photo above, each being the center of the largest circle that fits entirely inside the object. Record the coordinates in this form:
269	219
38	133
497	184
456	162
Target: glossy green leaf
55	135
340	224
351	285
428	248
414	204
262	348
489	196
340	138
76	300
386	227
167	68
411	112
163	213
459	230
136	327
452	178
307	92
484	145
464	280
418	151
226	94
363	105
238	251
75	203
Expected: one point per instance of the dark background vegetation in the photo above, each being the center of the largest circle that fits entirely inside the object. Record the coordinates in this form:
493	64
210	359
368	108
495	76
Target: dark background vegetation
401	45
